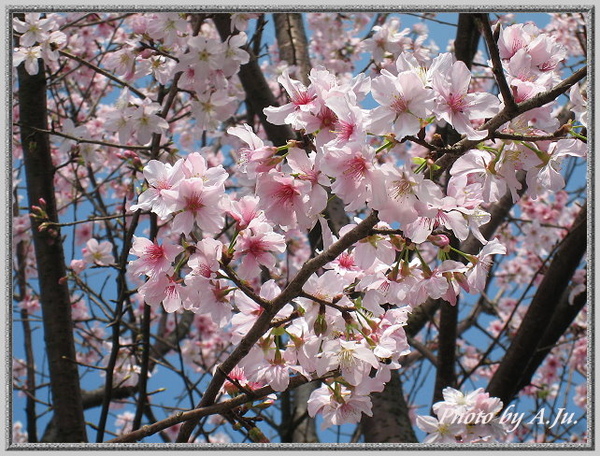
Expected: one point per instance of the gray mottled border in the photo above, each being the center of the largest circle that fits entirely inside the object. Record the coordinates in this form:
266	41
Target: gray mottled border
6	229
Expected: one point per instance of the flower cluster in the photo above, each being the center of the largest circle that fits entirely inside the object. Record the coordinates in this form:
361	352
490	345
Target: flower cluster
464	418
39	39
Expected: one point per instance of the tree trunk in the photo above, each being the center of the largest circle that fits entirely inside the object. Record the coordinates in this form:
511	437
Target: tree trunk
390	422
54	292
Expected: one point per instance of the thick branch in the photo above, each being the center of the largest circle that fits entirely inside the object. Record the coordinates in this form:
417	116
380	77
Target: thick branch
54	292
561	320
196	414
448	332
507	379
292	43
467	38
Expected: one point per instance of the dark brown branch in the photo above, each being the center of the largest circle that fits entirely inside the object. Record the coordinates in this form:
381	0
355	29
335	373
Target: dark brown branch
497	68
244	287
116	326
50	260
390	422
447	335
467	38
563	317
508	378
196	414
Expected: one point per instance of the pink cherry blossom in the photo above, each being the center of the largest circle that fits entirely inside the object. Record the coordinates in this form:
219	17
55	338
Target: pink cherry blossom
579	107
206	257
33	30
477	275
353	170
302	100
373	248
160	177
326	287
250	310
256	246
255	157
207	297
338	407
196	205
438	432
165	289
195	166
29	55
404	101
484	167
99	253
353	358
396	191
458	107
245	210
153	258
546	176
284	199
145	121
304	168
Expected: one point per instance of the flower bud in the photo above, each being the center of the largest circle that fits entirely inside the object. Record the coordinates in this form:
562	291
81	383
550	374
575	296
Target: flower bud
439	240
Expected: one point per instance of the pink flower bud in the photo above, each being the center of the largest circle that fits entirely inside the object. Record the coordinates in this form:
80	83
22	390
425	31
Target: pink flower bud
439	240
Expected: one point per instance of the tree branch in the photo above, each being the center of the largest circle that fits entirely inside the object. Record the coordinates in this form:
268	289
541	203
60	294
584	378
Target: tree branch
292	43
214	409
508	377
451	153
497	68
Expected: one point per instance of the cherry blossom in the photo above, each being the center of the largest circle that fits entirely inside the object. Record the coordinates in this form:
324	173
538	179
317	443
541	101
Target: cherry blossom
153	258
457	106
30	56
160	177
33	29
283	199
404	102
303	260
337	407
196	205
99	253
257	246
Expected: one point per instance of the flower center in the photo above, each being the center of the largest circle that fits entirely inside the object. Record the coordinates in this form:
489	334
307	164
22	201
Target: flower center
399	105
401	188
193	203
357	167
456	102
286	193
155	252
